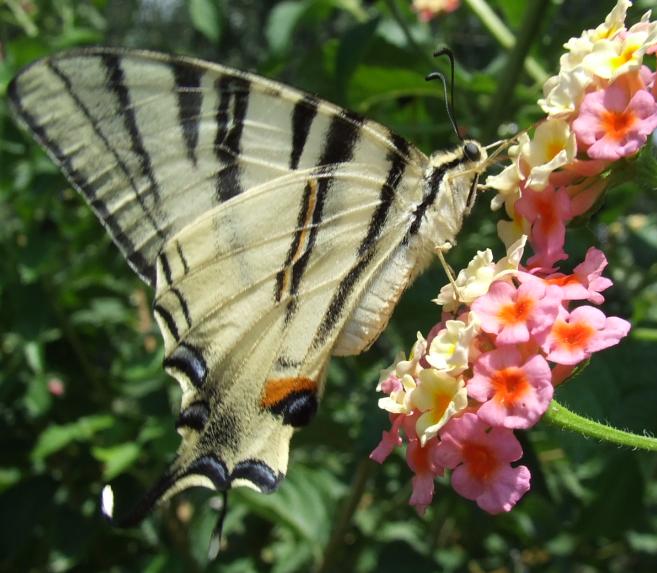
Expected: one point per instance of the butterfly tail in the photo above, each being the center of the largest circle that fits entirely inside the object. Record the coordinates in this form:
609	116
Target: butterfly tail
161	490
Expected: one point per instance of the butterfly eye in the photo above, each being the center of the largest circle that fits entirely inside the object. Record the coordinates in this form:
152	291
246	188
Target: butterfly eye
471	151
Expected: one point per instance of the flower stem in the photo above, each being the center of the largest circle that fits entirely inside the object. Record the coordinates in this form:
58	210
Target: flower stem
561	416
533	20
504	36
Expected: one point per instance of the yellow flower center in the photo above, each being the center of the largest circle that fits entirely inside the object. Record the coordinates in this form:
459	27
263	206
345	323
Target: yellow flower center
441	402
625	56
552	149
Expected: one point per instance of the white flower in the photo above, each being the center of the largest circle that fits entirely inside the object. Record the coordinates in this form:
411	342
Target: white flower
411	366
399	400
439	396
612	58
552	146
579	48
474	281
564	92
450	348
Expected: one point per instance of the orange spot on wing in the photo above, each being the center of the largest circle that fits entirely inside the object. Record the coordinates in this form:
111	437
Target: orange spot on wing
278	389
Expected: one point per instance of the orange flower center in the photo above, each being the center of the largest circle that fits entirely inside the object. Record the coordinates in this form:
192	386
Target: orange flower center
480	461
440	403
517	311
573	336
553	148
563	281
510	385
617	124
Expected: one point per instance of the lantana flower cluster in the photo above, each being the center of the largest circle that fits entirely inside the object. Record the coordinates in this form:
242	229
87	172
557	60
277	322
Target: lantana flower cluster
510	332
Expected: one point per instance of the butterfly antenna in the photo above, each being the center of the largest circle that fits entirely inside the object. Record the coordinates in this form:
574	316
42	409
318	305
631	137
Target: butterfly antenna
449	102
215	539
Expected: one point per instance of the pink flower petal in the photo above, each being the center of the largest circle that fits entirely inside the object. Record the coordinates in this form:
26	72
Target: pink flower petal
515	393
484	474
574	337
389	440
615	122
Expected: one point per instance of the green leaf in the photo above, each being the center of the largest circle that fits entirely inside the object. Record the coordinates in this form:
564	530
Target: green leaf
282	21
305	503
116	458
56	437
206	18
353	46
373	85
645	168
37	399
8	477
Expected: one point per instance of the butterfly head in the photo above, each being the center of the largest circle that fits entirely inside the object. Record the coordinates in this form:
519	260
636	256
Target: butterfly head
450	191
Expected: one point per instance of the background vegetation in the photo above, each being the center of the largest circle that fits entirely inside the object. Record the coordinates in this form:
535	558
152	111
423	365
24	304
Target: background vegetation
83	399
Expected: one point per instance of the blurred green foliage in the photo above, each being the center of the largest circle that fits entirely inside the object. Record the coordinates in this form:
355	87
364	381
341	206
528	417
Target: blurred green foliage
83	399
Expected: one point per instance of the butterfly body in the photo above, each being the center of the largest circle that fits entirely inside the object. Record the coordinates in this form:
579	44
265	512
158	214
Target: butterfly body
276	229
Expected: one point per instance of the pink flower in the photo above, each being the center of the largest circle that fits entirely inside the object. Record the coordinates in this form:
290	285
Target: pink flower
56	387
515	393
515	315
428	9
615	122
481	461
389	440
585	283
422	461
547	211
586	330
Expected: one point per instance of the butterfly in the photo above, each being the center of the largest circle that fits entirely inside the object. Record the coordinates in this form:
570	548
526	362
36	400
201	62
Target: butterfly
276	230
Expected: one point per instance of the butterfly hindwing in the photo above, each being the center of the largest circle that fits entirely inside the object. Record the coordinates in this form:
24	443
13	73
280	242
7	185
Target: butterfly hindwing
250	323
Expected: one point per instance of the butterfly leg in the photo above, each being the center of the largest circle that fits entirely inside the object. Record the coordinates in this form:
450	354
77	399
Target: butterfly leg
440	251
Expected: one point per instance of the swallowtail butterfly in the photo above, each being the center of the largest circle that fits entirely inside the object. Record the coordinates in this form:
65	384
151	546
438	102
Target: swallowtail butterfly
276	230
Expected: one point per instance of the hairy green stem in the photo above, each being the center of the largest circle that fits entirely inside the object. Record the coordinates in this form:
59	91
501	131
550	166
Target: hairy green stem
561	416
504	36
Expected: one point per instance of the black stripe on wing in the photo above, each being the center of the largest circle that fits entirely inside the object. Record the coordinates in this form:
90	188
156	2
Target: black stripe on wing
194	416
115	81
227	143
342	137
303	116
190	99
183	306
80	182
435	180
188	359
306	212
398	162
183	260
